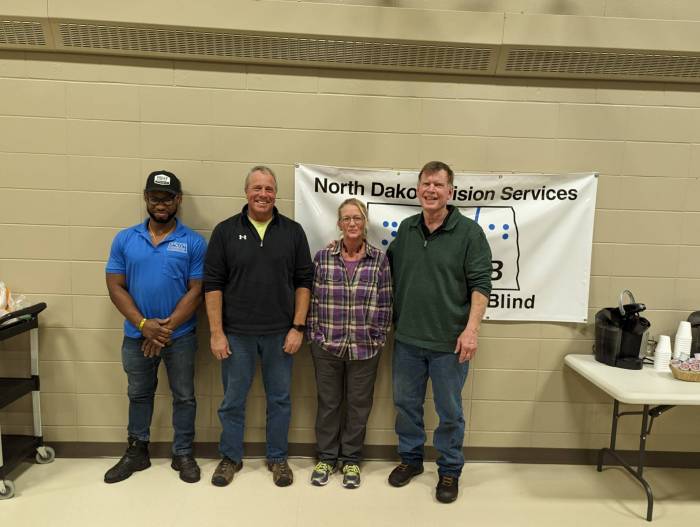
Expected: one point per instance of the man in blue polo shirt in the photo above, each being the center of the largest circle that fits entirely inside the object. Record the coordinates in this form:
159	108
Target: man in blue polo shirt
154	278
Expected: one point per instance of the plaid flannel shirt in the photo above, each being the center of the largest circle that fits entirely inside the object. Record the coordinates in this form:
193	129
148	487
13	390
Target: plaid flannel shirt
350	316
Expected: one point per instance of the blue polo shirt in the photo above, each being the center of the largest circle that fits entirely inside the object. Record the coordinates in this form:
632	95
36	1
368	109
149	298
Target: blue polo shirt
157	277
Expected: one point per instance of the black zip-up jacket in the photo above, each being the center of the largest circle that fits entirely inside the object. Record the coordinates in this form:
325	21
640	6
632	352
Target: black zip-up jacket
258	278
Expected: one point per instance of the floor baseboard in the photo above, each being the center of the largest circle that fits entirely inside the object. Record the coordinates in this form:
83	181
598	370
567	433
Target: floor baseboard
556	456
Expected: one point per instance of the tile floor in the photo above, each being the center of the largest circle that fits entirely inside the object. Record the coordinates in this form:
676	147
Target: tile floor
70	492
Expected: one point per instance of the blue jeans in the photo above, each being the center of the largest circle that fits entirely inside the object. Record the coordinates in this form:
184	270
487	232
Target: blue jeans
237	372
142	374
412	366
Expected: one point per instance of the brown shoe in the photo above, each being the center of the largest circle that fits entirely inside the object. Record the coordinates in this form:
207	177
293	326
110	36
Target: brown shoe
281	473
223	474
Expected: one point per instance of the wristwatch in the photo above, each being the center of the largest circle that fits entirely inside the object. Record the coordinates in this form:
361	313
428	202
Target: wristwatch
301	328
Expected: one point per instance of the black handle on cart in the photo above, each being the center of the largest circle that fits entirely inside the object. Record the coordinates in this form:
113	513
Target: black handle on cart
31	310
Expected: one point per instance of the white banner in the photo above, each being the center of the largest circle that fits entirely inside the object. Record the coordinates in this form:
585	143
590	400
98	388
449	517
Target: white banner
540	228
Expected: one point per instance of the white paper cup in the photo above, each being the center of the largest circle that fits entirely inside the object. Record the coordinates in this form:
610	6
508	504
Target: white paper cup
663	345
681	347
662	361
684	330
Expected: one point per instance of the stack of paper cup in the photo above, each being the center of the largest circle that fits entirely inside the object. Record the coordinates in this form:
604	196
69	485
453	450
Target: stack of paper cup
684	339
662	354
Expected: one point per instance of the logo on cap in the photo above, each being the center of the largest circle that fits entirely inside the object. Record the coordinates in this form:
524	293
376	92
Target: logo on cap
161	179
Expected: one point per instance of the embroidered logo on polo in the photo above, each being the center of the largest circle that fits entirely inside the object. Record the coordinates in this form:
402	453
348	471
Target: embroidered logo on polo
161	179
242	237
178	247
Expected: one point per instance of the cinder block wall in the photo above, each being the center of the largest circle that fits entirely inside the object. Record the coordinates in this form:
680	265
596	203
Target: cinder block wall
649	9
78	134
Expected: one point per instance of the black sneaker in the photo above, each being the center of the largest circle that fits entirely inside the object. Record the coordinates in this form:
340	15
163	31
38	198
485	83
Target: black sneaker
136	458
223	474
187	466
403	474
282	474
447	489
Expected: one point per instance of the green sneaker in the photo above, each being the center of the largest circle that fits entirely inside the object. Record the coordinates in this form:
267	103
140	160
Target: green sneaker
351	476
322	471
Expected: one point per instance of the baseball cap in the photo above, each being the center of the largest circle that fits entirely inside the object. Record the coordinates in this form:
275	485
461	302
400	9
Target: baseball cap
164	181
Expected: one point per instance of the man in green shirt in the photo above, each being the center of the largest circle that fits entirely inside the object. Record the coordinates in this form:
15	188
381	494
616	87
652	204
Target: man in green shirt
441	265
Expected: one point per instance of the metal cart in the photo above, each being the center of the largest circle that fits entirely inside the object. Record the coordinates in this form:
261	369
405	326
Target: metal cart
15	448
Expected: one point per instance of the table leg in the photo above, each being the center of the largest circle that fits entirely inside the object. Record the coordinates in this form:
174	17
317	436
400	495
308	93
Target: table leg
638	473
613	435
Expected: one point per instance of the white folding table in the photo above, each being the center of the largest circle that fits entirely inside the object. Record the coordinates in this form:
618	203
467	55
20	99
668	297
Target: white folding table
657	392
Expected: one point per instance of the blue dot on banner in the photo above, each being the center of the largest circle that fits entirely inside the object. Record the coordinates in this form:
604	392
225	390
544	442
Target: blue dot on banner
394	224
505	236
491	226
385	242
506	226
386	224
393	233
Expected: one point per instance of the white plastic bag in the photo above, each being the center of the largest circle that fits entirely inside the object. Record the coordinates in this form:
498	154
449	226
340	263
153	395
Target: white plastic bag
4	294
8	302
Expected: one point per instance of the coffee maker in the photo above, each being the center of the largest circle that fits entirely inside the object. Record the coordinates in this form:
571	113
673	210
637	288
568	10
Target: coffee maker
621	334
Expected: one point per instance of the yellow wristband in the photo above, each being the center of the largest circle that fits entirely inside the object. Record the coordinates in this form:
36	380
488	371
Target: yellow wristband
143	321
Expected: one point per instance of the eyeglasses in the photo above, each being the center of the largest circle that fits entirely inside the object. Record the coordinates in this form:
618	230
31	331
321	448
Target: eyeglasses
346	220
168	202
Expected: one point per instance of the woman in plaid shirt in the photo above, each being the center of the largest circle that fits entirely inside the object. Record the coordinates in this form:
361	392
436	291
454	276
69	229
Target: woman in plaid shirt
348	321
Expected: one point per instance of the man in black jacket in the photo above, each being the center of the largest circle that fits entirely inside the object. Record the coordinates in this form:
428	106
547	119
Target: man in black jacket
257	282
